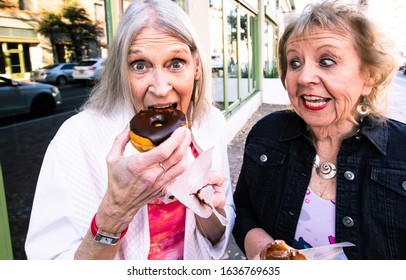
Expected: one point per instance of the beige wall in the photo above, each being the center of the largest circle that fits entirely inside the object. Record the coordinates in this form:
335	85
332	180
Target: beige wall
199	14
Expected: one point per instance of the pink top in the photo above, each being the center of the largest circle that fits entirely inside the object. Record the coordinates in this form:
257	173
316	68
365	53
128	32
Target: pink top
167	227
316	225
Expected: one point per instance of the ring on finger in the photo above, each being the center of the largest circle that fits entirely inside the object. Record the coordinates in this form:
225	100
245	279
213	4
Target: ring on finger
162	166
162	193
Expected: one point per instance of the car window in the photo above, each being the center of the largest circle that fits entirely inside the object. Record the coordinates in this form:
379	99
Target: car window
87	62
50	66
3	83
68	66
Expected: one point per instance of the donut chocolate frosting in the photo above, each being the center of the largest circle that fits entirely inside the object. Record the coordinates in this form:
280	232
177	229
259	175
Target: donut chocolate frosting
157	124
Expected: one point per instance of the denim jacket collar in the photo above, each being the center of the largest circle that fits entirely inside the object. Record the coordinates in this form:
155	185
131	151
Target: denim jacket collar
373	129
377	132
294	128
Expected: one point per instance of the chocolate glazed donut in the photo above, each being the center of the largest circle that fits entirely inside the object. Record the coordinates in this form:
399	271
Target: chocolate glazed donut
279	250
151	127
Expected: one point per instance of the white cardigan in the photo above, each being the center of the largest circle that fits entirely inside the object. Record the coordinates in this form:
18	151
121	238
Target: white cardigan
73	180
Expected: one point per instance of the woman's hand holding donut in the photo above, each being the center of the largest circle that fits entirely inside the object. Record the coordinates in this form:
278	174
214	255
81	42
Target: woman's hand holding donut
170	155
135	180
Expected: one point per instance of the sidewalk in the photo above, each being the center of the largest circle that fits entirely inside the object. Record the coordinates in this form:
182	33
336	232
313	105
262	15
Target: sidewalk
235	157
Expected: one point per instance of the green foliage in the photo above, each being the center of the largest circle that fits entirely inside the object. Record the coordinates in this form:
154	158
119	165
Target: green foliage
50	25
273	73
71	25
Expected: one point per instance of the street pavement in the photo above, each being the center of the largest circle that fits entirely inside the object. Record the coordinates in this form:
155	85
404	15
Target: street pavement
22	148
396	107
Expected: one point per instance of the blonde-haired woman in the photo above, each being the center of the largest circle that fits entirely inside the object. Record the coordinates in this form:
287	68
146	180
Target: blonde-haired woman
332	169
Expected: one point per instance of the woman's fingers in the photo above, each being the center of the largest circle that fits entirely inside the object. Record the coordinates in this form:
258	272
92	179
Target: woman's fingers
168	158
216	179
174	148
119	144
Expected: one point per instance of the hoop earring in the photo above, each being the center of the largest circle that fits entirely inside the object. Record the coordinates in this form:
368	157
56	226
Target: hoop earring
363	109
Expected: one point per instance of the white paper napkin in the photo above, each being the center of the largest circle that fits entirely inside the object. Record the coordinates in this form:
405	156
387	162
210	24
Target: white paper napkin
186	187
328	252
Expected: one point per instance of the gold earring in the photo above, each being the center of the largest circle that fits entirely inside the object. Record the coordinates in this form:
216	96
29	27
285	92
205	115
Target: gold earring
363	109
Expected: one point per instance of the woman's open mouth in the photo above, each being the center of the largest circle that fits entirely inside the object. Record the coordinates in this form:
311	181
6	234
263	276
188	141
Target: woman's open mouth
174	105
314	103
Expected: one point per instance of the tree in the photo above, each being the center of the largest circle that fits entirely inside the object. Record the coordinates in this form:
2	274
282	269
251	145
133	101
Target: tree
80	28
72	25
51	25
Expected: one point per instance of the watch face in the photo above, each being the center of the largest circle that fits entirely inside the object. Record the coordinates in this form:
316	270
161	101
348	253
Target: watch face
105	239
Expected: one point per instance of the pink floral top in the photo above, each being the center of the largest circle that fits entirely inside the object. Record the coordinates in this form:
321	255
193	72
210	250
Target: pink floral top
167	227
166	230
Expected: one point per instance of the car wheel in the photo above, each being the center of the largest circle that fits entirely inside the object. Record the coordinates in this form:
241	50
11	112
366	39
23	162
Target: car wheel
61	81
42	105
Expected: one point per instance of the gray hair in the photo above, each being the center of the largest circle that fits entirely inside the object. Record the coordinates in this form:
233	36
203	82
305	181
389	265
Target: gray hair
376	52
114	86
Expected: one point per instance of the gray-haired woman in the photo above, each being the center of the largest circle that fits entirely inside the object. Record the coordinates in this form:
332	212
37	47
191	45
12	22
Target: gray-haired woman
154	60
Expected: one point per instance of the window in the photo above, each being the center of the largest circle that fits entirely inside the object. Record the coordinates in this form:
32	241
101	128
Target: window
68	66
232	52
270	47
181	3
216	48
21	5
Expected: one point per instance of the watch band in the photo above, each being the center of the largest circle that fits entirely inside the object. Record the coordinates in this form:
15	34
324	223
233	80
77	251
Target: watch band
103	237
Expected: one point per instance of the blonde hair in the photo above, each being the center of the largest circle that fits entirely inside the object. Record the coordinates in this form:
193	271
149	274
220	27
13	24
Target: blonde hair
376	52
114	86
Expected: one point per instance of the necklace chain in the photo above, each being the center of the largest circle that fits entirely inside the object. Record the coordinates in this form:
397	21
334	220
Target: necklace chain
326	170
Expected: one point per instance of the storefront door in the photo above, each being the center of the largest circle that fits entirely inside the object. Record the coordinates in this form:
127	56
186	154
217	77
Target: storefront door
15	60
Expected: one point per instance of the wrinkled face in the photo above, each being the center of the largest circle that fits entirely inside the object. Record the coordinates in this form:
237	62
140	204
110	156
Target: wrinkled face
324	78
162	71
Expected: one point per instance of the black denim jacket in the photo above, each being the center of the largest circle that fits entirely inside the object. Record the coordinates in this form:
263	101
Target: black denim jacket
371	184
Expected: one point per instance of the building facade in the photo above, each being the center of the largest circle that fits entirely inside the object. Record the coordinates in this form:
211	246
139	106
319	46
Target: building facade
22	49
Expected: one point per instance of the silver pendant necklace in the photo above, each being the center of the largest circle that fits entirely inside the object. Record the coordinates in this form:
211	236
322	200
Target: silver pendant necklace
325	170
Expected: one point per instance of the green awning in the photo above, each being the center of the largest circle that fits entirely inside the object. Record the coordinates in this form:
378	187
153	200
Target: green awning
18	35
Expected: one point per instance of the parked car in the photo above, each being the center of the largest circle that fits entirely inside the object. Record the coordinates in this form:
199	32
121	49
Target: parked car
59	74
27	97
89	70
